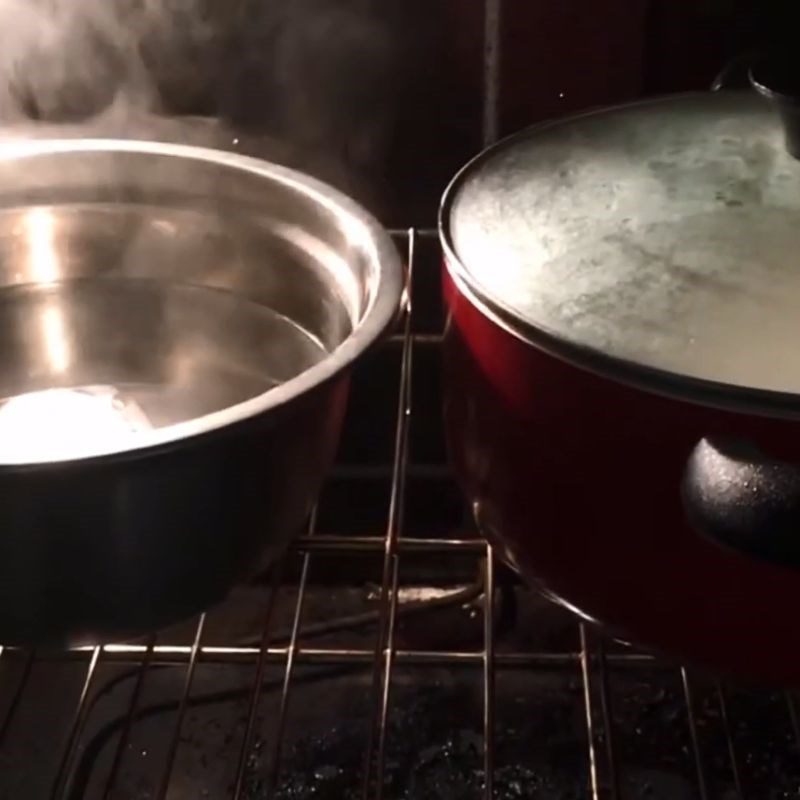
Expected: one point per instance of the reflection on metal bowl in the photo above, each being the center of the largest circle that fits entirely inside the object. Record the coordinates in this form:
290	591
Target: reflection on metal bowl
176	330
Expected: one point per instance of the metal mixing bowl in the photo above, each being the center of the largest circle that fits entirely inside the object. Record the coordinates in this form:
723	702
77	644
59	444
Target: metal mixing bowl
176	330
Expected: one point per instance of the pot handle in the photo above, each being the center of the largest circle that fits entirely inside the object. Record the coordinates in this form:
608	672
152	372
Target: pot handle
745	501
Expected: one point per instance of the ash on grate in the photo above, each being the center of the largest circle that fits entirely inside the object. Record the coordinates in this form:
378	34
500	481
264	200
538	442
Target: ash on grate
435	752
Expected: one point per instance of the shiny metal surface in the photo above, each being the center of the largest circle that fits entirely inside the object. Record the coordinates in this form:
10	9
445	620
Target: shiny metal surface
663	234
176	327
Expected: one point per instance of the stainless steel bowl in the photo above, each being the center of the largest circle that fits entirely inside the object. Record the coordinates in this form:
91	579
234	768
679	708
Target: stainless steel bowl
177	326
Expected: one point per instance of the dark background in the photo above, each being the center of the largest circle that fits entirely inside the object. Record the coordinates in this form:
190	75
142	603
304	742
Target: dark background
557	58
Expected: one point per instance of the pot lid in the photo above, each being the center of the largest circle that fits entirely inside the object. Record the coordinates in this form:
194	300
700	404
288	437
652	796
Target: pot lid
662	238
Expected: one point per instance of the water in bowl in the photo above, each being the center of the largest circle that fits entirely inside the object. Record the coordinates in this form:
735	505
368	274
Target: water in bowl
88	366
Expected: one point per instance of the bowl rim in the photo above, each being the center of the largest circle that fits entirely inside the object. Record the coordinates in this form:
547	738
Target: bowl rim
386	289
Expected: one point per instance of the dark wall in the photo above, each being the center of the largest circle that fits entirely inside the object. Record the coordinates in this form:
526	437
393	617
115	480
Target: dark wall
687	40
558	58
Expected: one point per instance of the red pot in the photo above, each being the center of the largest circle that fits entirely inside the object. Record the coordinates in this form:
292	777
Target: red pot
648	485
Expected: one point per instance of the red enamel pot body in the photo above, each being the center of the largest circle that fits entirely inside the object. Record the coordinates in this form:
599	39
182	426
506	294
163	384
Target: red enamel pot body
577	465
578	478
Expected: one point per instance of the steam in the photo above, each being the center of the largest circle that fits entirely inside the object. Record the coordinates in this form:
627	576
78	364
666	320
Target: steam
63	61
315	77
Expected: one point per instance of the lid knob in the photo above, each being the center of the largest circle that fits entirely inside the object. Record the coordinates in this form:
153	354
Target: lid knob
777	77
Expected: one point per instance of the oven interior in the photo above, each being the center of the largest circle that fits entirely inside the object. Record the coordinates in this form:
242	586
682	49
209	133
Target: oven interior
391	654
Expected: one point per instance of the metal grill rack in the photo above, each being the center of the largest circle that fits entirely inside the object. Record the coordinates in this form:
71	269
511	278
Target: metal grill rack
337	690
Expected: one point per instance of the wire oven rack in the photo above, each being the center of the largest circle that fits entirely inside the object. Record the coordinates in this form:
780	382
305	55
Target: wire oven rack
626	726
